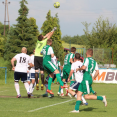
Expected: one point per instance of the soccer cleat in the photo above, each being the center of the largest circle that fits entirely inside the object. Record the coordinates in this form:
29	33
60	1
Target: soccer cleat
104	100
74	111
95	93
19	96
62	94
51	95
45	95
42	87
64	86
58	94
29	95
50	91
37	86
86	104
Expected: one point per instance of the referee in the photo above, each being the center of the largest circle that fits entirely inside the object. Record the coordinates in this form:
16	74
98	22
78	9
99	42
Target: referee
38	59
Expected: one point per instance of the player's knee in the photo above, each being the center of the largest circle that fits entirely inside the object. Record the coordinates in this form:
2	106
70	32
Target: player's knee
86	96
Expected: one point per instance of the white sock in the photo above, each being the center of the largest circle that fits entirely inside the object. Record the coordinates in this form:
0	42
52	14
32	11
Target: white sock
26	86
83	100
46	85
17	88
61	90
31	87
75	96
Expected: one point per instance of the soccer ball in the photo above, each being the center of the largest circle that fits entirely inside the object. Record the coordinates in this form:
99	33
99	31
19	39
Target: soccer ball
56	4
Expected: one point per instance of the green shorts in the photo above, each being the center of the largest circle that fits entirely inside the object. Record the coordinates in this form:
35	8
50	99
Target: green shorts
85	86
66	72
49	67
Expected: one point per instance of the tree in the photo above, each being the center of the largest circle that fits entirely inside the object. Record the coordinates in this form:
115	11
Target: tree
20	35
2	43
35	30
2	29
47	26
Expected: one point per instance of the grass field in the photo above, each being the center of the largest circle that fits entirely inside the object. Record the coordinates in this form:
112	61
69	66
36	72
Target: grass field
67	45
38	106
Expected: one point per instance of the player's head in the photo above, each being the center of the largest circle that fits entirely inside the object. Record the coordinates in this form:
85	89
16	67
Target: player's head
57	58
73	50
81	59
40	37
49	42
77	56
24	50
89	52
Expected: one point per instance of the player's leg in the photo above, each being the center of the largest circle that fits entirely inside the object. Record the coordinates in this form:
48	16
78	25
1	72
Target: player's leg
36	64
16	83
24	80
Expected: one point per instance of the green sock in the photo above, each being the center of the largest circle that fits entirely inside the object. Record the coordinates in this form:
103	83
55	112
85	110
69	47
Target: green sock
59	88
77	105
59	79
49	83
99	98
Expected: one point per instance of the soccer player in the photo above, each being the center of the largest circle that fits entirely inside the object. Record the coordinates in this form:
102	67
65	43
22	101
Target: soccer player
78	77
38	59
48	53
69	59
89	65
20	70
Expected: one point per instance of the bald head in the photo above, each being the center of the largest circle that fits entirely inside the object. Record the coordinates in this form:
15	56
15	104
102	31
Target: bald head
24	50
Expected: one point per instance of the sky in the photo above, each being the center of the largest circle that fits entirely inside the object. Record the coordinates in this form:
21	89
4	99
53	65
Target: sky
71	13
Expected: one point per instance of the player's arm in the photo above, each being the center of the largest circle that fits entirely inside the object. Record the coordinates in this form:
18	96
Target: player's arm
12	63
71	72
49	35
71	60
82	68
96	74
52	55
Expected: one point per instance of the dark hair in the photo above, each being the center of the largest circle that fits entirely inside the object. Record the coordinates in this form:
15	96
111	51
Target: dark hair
40	37
73	49
77	56
90	51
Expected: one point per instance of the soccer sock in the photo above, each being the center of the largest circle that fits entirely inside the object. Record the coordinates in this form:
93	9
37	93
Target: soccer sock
31	87
59	88
46	85
83	100
75	96
42	78
49	83
17	88
99	98
59	79
36	77
77	105
26	86
93	91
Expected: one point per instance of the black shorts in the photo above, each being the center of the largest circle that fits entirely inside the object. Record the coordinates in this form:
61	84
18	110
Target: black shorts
38	63
75	86
18	75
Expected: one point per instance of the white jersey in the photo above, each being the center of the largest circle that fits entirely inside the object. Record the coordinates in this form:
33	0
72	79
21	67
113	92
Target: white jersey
32	70
79	74
22	62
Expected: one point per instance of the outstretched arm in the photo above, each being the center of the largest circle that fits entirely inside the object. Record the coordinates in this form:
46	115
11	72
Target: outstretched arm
96	74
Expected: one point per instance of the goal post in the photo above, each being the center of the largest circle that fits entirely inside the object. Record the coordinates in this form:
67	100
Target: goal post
5	73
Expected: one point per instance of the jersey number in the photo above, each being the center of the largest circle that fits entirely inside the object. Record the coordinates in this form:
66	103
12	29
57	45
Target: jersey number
39	45
22	60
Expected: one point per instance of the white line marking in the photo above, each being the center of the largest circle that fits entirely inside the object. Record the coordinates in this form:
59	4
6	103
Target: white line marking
49	106
4	90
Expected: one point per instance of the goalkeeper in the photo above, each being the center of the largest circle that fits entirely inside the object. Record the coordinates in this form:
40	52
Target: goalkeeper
38	59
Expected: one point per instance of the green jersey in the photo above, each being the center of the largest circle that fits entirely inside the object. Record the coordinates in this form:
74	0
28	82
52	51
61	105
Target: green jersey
67	59
39	46
91	65
47	51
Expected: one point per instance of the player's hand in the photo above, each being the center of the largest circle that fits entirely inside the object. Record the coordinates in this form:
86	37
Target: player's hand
13	68
68	80
77	69
55	28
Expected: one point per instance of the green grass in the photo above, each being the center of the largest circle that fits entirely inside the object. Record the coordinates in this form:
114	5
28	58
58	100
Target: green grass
67	45
10	106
